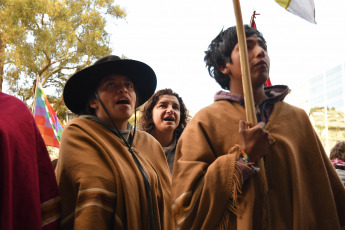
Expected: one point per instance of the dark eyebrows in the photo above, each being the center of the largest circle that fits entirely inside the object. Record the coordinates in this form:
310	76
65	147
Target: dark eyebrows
107	79
176	104
167	102
261	43
249	40
162	103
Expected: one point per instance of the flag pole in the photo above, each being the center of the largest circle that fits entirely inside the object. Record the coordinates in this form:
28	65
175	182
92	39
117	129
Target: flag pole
35	95
246	81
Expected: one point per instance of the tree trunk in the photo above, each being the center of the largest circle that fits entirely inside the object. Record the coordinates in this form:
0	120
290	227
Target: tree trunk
2	61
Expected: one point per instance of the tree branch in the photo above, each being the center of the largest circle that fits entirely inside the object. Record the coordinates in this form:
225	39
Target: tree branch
45	67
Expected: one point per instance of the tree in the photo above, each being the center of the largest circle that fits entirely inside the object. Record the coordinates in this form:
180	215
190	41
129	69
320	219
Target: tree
50	40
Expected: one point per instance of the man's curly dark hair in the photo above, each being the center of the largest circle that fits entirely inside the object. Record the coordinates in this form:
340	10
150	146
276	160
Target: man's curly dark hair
219	52
338	151
146	120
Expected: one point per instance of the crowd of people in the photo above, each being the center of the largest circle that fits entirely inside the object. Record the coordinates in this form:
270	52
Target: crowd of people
167	170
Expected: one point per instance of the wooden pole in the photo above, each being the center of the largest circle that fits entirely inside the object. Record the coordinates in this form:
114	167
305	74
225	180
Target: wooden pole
35	95
246	82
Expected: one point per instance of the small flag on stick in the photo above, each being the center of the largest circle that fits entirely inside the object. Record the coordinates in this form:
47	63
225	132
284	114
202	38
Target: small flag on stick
253	25
47	120
252	20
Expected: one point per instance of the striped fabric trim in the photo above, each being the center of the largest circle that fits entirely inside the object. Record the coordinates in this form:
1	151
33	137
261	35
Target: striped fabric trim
50	211
180	211
182	217
97	190
92	197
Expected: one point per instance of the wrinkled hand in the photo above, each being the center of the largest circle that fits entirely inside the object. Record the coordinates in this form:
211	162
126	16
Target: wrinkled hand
254	141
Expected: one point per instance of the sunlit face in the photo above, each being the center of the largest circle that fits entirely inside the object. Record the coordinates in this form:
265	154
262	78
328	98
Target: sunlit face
166	114
259	62
118	96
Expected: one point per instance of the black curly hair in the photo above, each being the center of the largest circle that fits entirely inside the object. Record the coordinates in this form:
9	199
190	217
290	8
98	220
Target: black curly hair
219	52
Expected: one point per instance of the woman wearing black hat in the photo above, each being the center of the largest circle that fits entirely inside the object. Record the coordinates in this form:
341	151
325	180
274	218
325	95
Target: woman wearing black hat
110	175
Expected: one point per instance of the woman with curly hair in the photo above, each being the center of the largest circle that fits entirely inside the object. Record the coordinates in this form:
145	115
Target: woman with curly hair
165	116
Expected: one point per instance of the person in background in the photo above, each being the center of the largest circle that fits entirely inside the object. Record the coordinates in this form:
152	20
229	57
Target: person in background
337	157
165	117
111	176
29	195
215	182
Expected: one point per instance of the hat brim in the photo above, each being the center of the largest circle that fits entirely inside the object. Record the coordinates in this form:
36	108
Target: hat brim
81	85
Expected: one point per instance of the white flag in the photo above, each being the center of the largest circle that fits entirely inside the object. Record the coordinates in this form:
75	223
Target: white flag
302	8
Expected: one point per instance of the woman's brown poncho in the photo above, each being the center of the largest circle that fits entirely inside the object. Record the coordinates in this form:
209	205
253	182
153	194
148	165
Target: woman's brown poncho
102	187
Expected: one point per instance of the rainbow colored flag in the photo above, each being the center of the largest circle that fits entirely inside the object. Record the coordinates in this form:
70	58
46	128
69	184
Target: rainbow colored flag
47	120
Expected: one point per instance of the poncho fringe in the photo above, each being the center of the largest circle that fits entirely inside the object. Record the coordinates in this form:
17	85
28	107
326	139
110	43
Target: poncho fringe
234	187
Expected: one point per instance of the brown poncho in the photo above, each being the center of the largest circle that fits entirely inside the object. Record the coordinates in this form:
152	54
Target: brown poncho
102	187
304	189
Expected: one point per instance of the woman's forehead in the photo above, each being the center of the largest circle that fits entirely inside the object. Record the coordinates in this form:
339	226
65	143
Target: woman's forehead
168	98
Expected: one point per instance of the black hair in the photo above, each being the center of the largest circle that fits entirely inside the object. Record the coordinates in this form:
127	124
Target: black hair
338	151
88	110
219	52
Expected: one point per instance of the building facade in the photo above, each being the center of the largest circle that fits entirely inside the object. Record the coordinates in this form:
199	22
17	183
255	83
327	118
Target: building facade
323	99
327	105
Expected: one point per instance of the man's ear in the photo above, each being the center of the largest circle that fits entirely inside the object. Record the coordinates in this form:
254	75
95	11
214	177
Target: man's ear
225	69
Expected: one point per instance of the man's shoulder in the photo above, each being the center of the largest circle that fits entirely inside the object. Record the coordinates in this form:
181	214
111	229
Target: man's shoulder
217	106
12	102
14	110
218	112
288	108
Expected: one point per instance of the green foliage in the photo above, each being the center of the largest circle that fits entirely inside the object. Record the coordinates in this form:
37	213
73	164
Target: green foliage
51	40
138	115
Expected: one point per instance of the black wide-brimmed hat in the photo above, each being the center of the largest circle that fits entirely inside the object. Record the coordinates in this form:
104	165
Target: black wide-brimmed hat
82	85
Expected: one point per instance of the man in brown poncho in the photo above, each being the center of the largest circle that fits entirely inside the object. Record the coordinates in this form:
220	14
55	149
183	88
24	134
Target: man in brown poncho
215	180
